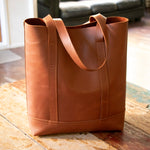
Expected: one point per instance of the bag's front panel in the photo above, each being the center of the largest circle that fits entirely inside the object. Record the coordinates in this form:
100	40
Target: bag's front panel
117	34
79	94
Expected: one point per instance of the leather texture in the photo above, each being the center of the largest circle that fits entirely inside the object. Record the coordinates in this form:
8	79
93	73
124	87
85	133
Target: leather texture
75	76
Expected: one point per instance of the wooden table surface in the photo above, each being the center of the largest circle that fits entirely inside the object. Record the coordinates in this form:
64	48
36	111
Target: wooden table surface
15	133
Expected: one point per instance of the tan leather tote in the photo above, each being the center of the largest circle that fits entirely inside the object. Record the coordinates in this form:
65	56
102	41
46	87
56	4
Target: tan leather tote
75	76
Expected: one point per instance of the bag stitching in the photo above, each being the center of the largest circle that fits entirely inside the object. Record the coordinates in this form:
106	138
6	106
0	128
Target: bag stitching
61	122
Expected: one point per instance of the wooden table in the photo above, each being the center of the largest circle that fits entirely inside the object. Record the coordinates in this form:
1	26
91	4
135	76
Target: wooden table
15	133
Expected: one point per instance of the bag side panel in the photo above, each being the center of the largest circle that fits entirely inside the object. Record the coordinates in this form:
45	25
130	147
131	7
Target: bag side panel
117	51
37	81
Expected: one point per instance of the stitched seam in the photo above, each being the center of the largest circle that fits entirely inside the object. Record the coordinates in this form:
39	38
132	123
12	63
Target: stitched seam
61	122
108	82
48	52
56	76
57	79
101	83
97	42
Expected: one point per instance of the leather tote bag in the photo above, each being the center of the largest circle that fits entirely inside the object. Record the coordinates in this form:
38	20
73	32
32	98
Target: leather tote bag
75	76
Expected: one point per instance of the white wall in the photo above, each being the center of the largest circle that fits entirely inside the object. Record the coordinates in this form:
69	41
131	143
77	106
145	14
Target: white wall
16	12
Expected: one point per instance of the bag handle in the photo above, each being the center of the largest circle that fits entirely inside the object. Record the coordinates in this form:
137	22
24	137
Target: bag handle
65	38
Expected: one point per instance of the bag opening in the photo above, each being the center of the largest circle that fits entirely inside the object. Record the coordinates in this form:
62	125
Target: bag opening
35	21
110	20
116	20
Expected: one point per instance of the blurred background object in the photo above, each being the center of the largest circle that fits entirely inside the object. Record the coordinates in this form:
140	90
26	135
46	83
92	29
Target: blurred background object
147	3
78	11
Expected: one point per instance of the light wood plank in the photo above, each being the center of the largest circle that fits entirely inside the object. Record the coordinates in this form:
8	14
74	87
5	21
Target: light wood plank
72	140
130	139
138	115
13	107
12	139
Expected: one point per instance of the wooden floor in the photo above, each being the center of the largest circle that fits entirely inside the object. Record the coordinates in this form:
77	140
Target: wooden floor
14	130
13	71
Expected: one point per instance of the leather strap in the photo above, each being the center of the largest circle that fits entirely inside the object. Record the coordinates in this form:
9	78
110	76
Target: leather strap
101	21
103	72
65	38
52	66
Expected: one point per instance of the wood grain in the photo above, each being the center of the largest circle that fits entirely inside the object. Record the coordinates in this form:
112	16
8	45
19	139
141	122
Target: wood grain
13	139
134	136
138	115
13	107
131	138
